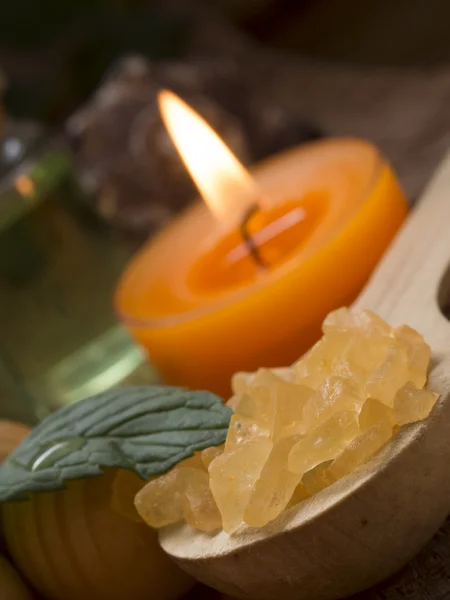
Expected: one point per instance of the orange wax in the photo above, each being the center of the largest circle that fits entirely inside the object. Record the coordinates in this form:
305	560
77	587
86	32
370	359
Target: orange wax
204	309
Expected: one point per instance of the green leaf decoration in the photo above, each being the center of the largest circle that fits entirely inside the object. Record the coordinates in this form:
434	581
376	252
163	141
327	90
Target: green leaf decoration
147	430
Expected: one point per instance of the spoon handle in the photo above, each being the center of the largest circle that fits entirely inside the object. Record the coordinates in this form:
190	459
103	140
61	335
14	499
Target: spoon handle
412	283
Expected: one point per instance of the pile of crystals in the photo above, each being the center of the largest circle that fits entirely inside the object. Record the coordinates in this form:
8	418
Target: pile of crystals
297	430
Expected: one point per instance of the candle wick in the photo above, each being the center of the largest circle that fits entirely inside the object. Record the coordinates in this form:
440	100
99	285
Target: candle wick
249	240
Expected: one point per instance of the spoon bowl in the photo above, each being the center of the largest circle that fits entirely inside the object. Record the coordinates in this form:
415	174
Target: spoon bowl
343	539
371	522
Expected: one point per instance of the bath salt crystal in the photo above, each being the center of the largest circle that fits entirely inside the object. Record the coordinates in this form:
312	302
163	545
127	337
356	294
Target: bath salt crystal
242	429
209	454
296	430
323	443
412	404
232	477
274	488
240	382
373	411
334	395
198	505
361	449
391	375
275	404
320	362
288	402
418	352
160	502
317	479
354	374
364	321
233	402
300	494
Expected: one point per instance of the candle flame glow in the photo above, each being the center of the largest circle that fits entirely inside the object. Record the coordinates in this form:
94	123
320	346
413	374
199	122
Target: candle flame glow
225	185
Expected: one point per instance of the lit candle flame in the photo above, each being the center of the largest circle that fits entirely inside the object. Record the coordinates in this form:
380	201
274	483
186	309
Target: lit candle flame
225	185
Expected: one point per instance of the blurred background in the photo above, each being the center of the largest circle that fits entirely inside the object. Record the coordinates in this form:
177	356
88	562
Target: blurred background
88	172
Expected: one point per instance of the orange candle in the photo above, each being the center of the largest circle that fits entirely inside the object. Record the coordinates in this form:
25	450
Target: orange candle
208	297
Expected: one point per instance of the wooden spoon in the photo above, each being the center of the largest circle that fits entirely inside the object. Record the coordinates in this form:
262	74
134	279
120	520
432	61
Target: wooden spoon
370	523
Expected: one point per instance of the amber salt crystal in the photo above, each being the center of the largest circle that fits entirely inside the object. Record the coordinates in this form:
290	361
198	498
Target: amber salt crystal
297	430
